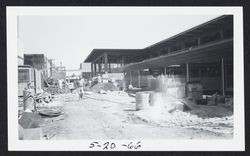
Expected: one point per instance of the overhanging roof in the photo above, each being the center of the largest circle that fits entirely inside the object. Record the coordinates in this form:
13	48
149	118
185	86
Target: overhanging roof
207	52
98	52
221	21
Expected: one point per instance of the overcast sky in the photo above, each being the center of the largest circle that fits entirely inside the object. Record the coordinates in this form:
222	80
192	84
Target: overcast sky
69	39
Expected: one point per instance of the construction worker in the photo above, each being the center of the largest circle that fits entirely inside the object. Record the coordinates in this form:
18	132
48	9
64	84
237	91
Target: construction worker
80	94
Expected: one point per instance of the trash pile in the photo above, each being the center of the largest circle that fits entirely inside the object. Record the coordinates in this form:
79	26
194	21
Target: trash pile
117	93
104	87
54	89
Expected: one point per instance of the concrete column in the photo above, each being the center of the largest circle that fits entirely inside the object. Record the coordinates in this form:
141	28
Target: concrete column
165	71
92	70
130	78
99	66
123	61
187	69
223	75
139	79
105	61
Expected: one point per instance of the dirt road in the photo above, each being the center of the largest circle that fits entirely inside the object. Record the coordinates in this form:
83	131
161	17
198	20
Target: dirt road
102	117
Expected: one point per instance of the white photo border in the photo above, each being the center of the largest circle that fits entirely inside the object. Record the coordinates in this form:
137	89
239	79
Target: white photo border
235	144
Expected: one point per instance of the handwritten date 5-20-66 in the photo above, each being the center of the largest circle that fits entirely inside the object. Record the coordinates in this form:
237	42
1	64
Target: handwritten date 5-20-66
111	145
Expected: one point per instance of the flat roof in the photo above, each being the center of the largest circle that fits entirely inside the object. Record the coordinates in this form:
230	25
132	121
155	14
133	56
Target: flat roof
97	52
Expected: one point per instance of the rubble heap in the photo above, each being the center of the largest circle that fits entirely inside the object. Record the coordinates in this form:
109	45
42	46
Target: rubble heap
104	86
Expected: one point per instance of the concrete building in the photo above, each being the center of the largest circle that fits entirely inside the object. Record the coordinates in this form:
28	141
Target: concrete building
203	53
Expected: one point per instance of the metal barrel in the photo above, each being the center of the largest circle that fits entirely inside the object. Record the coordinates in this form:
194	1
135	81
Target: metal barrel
155	98
142	100
28	100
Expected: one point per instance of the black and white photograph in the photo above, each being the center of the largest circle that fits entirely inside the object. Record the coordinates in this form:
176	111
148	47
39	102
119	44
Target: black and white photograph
125	78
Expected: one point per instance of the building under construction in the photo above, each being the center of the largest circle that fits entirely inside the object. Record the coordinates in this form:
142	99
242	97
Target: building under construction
203	53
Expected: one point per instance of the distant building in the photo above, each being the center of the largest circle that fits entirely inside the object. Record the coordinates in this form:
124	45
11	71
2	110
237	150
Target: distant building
74	73
86	70
57	72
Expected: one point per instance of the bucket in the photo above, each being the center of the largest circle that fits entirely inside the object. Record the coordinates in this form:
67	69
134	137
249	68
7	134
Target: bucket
142	100
28	101
155	98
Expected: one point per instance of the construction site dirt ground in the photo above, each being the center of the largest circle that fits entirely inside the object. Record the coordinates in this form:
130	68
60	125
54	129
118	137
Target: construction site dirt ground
113	116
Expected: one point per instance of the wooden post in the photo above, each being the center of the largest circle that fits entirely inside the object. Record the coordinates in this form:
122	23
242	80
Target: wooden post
223	76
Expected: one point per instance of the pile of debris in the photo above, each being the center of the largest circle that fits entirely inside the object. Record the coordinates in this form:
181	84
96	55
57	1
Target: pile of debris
188	120
104	87
54	89
175	112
